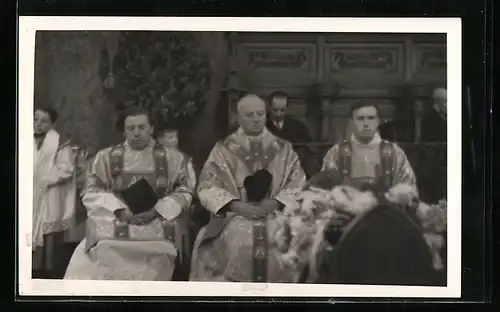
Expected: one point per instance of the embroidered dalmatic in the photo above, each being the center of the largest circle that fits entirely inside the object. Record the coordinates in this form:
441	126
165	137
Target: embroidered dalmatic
112	250
54	197
230	247
376	161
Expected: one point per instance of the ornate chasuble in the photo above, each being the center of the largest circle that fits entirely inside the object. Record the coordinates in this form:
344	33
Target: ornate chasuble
156	175
125	171
231	247
370	165
256	158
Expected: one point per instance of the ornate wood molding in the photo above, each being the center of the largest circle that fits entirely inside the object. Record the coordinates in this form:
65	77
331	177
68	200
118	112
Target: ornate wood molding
361	64
273	37
382	38
428	63
367	92
273	64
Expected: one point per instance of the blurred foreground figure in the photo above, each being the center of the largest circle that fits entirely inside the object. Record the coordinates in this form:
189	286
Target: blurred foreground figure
54	195
348	236
136	195
248	176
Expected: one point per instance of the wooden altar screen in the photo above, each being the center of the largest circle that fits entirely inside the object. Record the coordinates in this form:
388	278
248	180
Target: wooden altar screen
373	67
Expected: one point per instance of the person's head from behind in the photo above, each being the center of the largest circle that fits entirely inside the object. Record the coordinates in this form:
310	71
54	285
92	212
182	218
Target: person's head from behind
168	135
252	114
136	124
439	98
44	120
365	120
278	104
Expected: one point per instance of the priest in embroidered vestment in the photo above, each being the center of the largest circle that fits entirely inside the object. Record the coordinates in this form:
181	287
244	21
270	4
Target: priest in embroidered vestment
236	245
54	195
142	243
365	159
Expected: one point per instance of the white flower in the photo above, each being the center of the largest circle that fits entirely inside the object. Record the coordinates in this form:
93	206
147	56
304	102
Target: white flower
435	243
311	200
402	194
351	200
433	217
364	202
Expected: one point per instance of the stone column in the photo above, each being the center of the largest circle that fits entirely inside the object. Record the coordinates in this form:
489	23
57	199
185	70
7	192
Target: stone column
67	79
203	132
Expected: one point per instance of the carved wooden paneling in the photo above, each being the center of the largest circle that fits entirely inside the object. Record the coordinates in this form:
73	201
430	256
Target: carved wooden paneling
377	38
337	117
295	93
367	92
365	64
276	37
283	64
278	59
297	109
428	63
368	66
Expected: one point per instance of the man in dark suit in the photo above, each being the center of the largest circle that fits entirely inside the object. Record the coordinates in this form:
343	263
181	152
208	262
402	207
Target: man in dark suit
434	131
434	124
292	130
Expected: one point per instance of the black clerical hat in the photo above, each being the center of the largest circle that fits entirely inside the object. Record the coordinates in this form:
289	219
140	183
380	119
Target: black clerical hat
139	197
258	185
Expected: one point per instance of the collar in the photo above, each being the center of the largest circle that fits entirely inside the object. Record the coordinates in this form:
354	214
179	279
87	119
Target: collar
51	132
376	139
151	144
259	137
39	135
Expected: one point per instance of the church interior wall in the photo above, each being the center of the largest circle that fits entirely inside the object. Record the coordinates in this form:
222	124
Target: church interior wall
346	66
325	73
66	78
322	73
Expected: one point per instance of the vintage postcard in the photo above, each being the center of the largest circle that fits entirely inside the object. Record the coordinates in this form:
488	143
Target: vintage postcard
269	157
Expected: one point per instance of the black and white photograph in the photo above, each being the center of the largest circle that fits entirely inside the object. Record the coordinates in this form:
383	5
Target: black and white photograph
240	157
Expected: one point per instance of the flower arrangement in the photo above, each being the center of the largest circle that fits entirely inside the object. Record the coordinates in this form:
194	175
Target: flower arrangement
318	209
434	223
324	214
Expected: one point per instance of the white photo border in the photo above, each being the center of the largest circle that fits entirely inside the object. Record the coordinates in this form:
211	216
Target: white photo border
27	29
